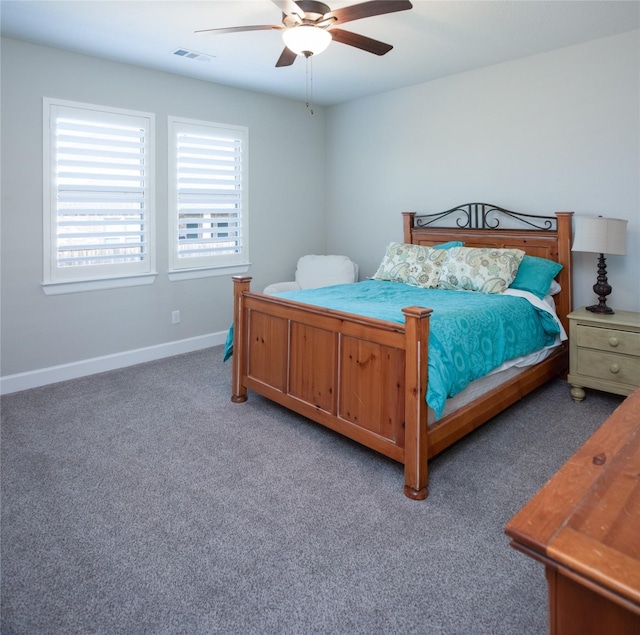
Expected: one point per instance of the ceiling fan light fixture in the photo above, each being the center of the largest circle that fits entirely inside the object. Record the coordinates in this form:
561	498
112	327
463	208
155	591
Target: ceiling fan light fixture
306	40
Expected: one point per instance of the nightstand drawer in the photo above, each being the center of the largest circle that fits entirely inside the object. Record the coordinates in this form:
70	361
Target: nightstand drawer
609	366
604	339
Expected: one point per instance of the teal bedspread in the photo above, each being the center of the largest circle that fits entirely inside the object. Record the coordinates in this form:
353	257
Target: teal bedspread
470	333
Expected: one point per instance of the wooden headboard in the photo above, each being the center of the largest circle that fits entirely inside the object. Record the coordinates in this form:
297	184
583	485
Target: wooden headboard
486	225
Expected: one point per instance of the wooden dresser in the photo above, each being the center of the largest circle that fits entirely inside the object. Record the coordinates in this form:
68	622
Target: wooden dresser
604	352
584	526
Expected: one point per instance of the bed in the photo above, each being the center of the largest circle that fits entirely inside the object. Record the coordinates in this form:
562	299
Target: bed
367	378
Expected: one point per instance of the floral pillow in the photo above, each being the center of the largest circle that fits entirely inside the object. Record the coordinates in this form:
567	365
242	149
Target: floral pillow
481	269
411	264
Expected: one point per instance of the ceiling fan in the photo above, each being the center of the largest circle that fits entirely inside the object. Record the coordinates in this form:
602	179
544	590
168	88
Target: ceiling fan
309	26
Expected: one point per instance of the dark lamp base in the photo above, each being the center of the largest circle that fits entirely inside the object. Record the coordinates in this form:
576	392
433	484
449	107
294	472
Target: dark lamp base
600	308
602	289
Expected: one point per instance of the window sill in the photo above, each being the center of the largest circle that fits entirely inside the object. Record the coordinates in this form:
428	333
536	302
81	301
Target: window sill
208	272
80	286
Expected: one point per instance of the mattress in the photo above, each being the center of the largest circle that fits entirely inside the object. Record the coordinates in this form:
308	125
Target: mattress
496	378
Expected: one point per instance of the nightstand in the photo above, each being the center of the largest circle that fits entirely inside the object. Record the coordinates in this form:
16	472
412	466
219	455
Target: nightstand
604	352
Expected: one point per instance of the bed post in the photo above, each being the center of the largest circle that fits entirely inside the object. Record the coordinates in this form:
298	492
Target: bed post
416	449
407	226
565	277
238	390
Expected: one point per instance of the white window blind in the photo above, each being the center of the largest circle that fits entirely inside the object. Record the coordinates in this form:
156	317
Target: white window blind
100	215
207	194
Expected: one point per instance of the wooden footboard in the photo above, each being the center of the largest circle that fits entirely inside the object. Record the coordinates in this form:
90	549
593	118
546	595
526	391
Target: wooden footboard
367	379
363	378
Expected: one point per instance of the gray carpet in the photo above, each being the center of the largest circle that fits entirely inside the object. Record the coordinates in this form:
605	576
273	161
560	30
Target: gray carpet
143	501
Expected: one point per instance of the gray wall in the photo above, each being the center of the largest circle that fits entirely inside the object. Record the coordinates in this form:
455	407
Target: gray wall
551	132
285	197
557	131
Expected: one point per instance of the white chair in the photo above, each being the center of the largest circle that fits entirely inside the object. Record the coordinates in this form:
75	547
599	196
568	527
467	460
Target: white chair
318	271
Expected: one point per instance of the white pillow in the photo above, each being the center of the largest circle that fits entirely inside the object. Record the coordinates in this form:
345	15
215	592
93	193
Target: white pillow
483	269
555	288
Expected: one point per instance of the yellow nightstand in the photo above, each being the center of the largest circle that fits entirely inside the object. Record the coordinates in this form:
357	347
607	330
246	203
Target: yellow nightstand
604	352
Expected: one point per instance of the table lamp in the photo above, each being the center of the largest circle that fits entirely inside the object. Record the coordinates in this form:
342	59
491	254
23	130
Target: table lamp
599	235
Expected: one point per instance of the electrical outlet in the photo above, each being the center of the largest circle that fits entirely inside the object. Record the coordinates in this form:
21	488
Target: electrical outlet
175	317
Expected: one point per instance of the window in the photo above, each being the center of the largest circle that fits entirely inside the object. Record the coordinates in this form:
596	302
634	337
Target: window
208	224
98	208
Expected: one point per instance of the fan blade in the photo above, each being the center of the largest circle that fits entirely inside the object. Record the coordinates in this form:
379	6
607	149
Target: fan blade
287	58
239	29
288	7
367	10
360	41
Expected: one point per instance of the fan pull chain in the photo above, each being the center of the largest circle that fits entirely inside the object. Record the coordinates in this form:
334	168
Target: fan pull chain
309	77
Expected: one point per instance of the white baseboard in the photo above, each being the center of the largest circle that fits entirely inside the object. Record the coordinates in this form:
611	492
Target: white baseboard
53	374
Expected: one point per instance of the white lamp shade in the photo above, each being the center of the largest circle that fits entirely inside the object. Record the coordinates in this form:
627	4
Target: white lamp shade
308	40
600	235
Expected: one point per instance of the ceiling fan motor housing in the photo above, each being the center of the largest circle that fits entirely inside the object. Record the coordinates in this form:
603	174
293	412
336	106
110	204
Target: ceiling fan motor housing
313	11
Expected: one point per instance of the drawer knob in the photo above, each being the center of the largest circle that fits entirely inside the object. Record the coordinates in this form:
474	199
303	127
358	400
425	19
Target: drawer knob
613	341
614	368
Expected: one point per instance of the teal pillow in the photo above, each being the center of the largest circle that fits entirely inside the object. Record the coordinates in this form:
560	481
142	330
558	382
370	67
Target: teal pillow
535	275
449	245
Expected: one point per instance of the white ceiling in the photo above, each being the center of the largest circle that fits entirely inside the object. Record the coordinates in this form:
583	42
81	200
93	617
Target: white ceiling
432	40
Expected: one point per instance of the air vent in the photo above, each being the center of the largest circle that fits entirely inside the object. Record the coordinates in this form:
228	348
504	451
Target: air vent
192	55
